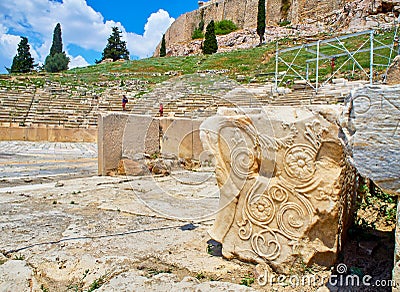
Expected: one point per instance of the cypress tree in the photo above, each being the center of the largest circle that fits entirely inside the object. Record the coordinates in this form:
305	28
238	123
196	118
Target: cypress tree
163	49
56	46
23	61
115	48
57	60
210	45
261	20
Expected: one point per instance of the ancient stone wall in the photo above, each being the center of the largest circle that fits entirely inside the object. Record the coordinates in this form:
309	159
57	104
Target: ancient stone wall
130	137
244	14
46	133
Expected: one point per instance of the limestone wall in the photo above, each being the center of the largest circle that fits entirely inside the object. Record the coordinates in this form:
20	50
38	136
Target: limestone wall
128	136
46	133
244	14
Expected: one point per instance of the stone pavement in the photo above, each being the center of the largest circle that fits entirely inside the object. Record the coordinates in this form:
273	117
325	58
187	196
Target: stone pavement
77	232
30	162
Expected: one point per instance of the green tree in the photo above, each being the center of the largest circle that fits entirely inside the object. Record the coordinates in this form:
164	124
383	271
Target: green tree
115	48
23	61
163	48
210	45
57	60
261	20
56	46
198	31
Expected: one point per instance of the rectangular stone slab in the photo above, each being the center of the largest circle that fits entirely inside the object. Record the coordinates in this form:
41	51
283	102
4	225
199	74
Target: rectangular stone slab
372	124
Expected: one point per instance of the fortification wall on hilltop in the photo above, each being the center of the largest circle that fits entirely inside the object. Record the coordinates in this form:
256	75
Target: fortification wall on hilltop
244	14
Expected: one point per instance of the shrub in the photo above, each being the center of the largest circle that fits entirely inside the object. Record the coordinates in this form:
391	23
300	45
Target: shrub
56	63
197	34
224	27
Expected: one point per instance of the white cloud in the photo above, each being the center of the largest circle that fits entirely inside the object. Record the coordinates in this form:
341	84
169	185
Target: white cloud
144	45
81	26
78	61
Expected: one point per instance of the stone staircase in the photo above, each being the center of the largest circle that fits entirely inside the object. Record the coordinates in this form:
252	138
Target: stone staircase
188	96
15	104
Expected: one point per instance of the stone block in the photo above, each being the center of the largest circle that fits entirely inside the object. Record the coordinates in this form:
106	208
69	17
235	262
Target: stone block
141	135
111	128
371	122
124	135
36	134
4	133
17	134
181	137
287	186
130	167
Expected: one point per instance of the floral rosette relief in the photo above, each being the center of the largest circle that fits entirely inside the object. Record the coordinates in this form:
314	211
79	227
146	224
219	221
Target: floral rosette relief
286	186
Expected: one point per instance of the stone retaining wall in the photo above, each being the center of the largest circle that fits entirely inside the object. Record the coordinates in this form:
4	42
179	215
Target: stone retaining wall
13	132
129	136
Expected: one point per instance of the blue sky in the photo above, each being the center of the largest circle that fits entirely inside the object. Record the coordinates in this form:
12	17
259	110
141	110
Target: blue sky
85	26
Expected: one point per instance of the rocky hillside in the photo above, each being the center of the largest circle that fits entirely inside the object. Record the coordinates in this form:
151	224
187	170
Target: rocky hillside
302	18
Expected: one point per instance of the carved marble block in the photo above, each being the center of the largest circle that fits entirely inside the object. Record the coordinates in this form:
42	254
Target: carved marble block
371	122
286	186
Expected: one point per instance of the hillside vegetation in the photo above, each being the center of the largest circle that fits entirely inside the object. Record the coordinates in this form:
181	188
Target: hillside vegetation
252	65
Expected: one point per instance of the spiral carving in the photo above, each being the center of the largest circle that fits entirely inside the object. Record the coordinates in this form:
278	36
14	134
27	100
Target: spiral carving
295	219
242	161
245	229
278	193
267	248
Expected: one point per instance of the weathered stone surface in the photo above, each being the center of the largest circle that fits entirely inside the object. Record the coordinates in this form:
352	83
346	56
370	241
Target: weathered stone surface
286	185
371	123
125	135
110	134
130	167
141	135
180	137
15	275
159	167
167	282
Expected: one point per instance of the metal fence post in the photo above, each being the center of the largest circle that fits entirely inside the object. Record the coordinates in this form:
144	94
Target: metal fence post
316	68
276	66
371	58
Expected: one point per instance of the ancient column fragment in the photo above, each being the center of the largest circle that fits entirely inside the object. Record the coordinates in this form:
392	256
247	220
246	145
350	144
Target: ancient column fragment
371	122
286	185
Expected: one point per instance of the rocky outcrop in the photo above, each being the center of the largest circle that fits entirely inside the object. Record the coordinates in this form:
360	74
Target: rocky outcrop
242	39
244	14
